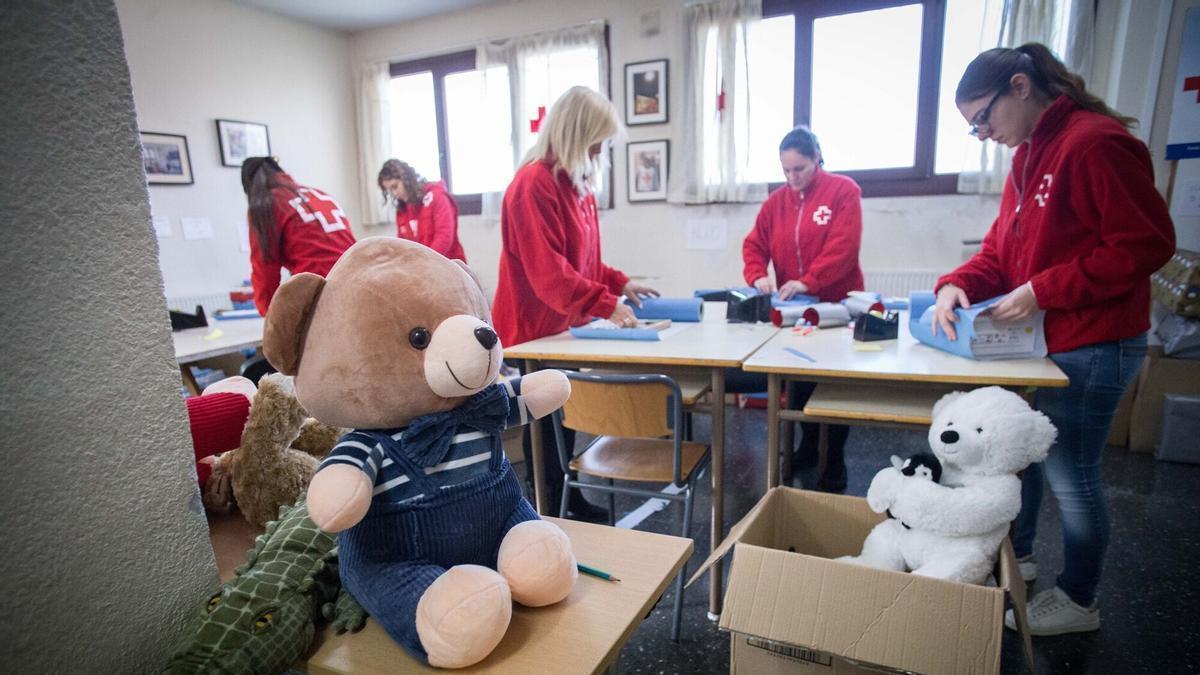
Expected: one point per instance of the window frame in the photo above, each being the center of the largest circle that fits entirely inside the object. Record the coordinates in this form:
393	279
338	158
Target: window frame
441	65
921	178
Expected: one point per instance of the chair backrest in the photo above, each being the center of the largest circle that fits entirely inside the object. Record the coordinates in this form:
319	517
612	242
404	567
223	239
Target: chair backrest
647	406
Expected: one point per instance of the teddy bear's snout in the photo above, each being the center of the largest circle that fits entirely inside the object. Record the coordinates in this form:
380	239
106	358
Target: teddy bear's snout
949	436
486	337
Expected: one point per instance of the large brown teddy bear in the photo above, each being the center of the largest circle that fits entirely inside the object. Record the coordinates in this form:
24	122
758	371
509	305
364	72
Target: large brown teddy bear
436	540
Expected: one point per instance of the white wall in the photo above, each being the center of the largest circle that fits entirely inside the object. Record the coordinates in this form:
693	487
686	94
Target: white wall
651	239
105	543
196	61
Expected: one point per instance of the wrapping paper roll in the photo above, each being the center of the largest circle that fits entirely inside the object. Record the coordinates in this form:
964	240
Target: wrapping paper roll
827	315
675	309
858	305
788	316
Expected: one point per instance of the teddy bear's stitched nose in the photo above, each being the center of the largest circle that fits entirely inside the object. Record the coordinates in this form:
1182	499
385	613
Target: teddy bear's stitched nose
486	336
949	436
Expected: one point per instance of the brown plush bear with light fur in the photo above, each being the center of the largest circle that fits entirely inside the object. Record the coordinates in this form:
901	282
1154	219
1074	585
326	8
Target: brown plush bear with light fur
279	453
436	540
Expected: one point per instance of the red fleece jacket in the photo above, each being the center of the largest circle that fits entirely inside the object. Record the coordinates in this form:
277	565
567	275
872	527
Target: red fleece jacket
1081	220
551	276
433	221
312	234
811	236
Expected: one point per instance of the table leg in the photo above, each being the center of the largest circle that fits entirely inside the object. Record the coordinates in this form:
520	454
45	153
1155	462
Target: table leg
536	459
772	430
189	379
715	575
787	437
822	449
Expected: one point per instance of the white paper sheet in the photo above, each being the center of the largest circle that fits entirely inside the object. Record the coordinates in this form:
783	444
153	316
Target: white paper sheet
706	234
162	226
196	228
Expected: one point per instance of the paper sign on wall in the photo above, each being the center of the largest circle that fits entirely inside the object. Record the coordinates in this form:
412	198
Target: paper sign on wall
706	234
196	228
162	226
243	231
1187	201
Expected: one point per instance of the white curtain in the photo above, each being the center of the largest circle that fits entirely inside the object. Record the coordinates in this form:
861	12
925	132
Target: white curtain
374	138
1066	27
538	68
712	161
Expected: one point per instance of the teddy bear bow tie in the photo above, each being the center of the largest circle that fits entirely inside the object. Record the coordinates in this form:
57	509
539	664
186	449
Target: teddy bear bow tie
428	438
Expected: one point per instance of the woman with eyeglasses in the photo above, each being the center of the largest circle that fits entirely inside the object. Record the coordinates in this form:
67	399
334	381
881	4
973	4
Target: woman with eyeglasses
551	274
1081	228
425	211
293	226
809	230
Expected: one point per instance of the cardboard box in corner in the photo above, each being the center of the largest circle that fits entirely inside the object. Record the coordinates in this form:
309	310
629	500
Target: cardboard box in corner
791	609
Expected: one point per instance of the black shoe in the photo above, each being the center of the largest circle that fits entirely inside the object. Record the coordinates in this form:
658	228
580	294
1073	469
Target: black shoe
579	508
833	480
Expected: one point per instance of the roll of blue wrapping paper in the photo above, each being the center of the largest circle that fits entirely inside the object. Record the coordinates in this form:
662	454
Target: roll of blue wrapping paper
675	309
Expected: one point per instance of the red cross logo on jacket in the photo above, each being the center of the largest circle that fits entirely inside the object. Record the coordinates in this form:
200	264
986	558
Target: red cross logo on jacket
822	214
1043	190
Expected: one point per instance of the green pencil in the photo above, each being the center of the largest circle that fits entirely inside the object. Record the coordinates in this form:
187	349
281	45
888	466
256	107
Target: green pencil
596	573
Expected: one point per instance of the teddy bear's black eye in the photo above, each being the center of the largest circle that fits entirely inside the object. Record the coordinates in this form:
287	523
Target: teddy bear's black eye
949	424
979	430
418	337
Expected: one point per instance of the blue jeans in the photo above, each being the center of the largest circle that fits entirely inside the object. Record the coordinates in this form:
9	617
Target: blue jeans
1083	413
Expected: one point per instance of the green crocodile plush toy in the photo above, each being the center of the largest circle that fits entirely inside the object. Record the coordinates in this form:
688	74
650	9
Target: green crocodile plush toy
264	619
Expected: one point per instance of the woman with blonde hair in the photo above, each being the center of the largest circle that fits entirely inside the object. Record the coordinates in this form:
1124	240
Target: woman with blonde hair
551	275
425	211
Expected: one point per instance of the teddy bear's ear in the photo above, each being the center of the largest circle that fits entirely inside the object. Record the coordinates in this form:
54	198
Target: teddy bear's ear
945	402
471	274
288	319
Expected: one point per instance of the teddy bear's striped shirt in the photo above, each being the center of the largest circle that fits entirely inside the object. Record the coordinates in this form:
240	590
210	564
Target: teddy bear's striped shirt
470	455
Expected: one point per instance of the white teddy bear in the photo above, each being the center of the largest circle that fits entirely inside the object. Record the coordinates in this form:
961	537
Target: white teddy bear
953	529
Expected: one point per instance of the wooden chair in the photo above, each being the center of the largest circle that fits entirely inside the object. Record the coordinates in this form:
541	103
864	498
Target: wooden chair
638	424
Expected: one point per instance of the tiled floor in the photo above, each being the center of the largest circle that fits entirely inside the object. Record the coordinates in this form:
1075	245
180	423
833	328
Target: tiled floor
1149	593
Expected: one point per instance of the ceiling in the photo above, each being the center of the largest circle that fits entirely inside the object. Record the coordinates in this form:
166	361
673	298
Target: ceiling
353	15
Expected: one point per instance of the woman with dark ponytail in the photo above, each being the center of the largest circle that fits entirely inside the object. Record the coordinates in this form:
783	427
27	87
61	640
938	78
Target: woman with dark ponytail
1080	230
425	211
292	226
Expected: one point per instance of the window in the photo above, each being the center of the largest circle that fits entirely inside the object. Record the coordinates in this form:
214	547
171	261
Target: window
875	80
454	122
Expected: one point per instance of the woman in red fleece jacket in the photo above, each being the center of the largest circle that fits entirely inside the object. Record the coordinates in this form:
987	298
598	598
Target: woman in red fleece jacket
1080	230
809	230
292	226
425	211
551	275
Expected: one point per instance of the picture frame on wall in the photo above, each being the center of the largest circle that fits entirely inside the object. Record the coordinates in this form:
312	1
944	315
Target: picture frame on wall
166	159
647	170
646	92
239	140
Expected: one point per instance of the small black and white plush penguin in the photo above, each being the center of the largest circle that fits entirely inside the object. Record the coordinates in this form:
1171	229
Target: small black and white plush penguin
922	465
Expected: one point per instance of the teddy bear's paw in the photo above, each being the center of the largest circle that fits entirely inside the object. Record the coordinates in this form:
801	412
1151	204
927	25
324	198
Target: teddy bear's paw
463	615
537	560
545	391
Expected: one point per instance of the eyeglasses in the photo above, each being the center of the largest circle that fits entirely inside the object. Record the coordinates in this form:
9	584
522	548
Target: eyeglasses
981	118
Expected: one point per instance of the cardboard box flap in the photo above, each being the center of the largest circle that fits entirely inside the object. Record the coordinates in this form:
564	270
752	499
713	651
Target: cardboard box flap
750	528
1008	575
887	618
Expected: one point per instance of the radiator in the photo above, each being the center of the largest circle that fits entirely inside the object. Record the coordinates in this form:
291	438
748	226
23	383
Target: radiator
899	283
211	302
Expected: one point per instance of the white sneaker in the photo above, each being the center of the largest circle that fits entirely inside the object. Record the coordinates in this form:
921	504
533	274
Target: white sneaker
1053	612
1027	564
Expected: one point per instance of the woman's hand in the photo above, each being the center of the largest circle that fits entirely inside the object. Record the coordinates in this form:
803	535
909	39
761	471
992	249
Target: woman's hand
1021	303
622	316
949	298
635	292
763	285
791	289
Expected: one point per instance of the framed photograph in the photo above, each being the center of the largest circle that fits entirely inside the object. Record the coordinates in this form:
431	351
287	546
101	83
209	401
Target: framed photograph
166	159
240	140
647	170
646	92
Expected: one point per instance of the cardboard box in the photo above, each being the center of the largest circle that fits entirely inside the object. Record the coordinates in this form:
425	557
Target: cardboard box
1177	284
1161	375
790	608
